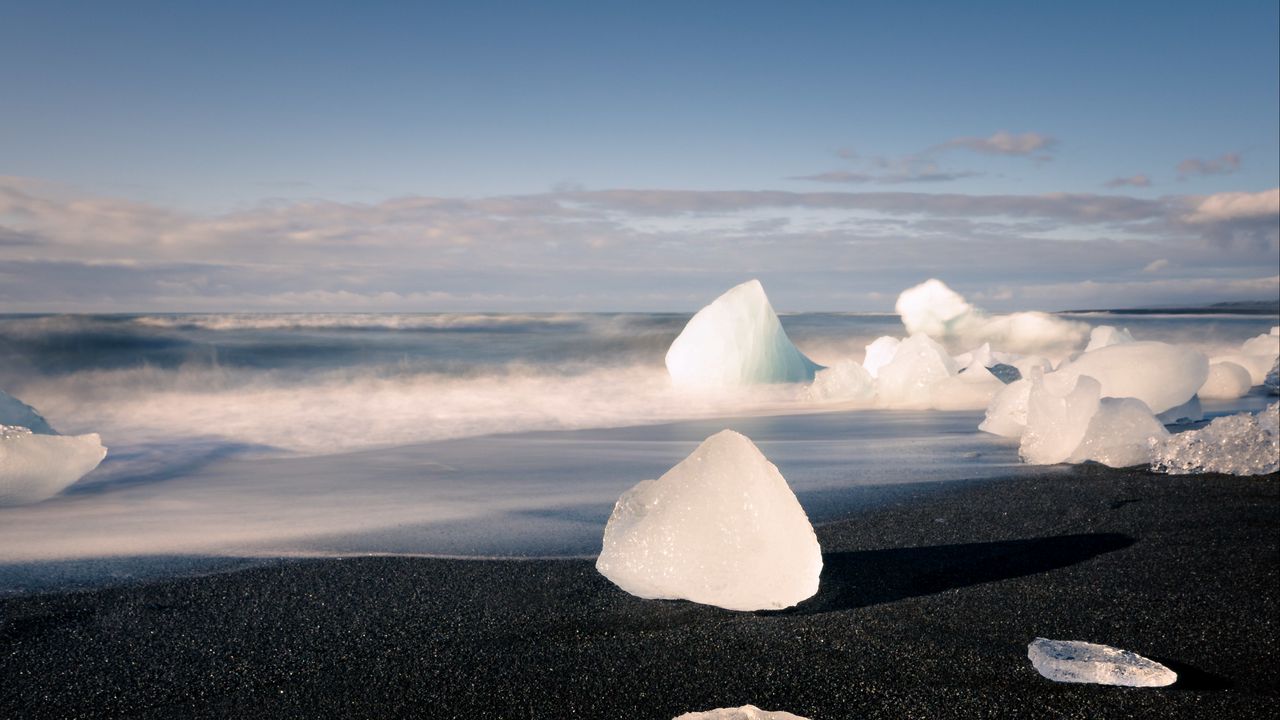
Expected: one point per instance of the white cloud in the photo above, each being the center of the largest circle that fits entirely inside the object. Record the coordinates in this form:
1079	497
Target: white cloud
1006	143
1233	206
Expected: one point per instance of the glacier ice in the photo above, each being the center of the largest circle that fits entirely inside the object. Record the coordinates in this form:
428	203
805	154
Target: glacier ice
918	365
35	467
1161	375
15	412
1243	444
1075	661
1106	336
746	712
1059	409
1007	411
938	311
736	340
1272	380
1265	345
1120	434
1226	381
1257	365
721	528
880	353
845	381
972	389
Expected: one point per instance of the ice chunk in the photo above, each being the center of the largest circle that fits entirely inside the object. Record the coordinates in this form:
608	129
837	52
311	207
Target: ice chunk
15	412
981	355
1074	661
1106	336
722	528
909	379
1161	375
1263	345
1226	381
972	389
1257	365
737	340
880	353
37	467
1121	434
746	712
1243	444
846	381
1188	412
1059	409
1272	380
938	311
1007	411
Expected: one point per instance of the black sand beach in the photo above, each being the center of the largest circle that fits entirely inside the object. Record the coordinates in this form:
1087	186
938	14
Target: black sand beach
926	608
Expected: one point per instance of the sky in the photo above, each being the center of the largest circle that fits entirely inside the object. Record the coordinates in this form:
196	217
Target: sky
331	156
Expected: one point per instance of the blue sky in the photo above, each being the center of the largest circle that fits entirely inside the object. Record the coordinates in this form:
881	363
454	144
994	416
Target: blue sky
175	156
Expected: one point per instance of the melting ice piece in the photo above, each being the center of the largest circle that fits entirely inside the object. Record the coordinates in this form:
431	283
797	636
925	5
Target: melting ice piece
1244	444
936	310
880	353
37	467
1007	412
909	379
1059	408
746	712
846	381
1161	375
721	528
1257	365
1074	661
1106	336
737	340
1266	345
15	412
972	389
1120	434
1226	381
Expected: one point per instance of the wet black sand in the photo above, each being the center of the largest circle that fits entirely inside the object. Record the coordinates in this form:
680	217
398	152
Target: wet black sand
926	607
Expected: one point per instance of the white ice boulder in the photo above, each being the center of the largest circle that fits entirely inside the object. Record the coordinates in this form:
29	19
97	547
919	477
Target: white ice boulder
1074	661
880	353
1007	411
1265	345
1226	381
938	311
1257	365
1243	444
37	467
846	381
721	528
737	340
1120	434
746	712
15	412
1059	409
1161	375
918	365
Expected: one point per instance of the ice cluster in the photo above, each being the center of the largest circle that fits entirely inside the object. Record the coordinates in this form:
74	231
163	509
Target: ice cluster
35	467
1161	375
1244	444
746	712
736	340
720	528
1257	355
846	381
936	310
1074	661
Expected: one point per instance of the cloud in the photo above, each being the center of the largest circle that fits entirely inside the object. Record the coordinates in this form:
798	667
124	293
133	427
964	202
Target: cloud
915	176
1138	180
1224	165
1236	206
1156	266
1004	142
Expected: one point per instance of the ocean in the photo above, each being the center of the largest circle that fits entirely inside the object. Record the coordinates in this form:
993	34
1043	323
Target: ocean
256	436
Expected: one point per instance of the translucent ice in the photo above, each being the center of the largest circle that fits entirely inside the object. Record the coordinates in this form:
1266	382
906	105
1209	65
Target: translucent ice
721	528
15	412
746	712
1121	434
972	389
1074	661
938	311
1007	411
1272	381
1106	336
879	353
846	381
1257	365
1059	409
37	467
1265	345
737	340
918	365
1161	375
1226	381
1243	444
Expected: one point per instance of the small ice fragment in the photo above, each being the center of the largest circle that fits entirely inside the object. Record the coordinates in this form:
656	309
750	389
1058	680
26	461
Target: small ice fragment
1244	444
1059	408
1188	412
721	528
737	340
1226	381
746	712
37	467
846	381
1161	375
880	353
1007	412
1121	434
1074	661
908	380
1106	336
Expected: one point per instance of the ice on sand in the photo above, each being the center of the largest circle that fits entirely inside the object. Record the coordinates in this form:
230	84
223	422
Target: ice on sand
1226	381
1120	434
721	528
1244	444
1059	409
1161	375
746	712
737	340
1007	412
1075	661
37	467
908	380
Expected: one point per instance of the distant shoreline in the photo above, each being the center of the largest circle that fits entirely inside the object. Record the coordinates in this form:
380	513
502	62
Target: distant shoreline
1234	308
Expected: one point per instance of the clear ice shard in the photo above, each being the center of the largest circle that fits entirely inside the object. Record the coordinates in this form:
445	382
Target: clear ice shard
1244	444
1226	381
1075	661
1121	434
15	412
1059	410
720	528
36	467
737	340
746	712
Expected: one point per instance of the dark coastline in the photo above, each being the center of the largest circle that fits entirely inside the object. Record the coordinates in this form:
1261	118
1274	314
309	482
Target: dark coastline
926	607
